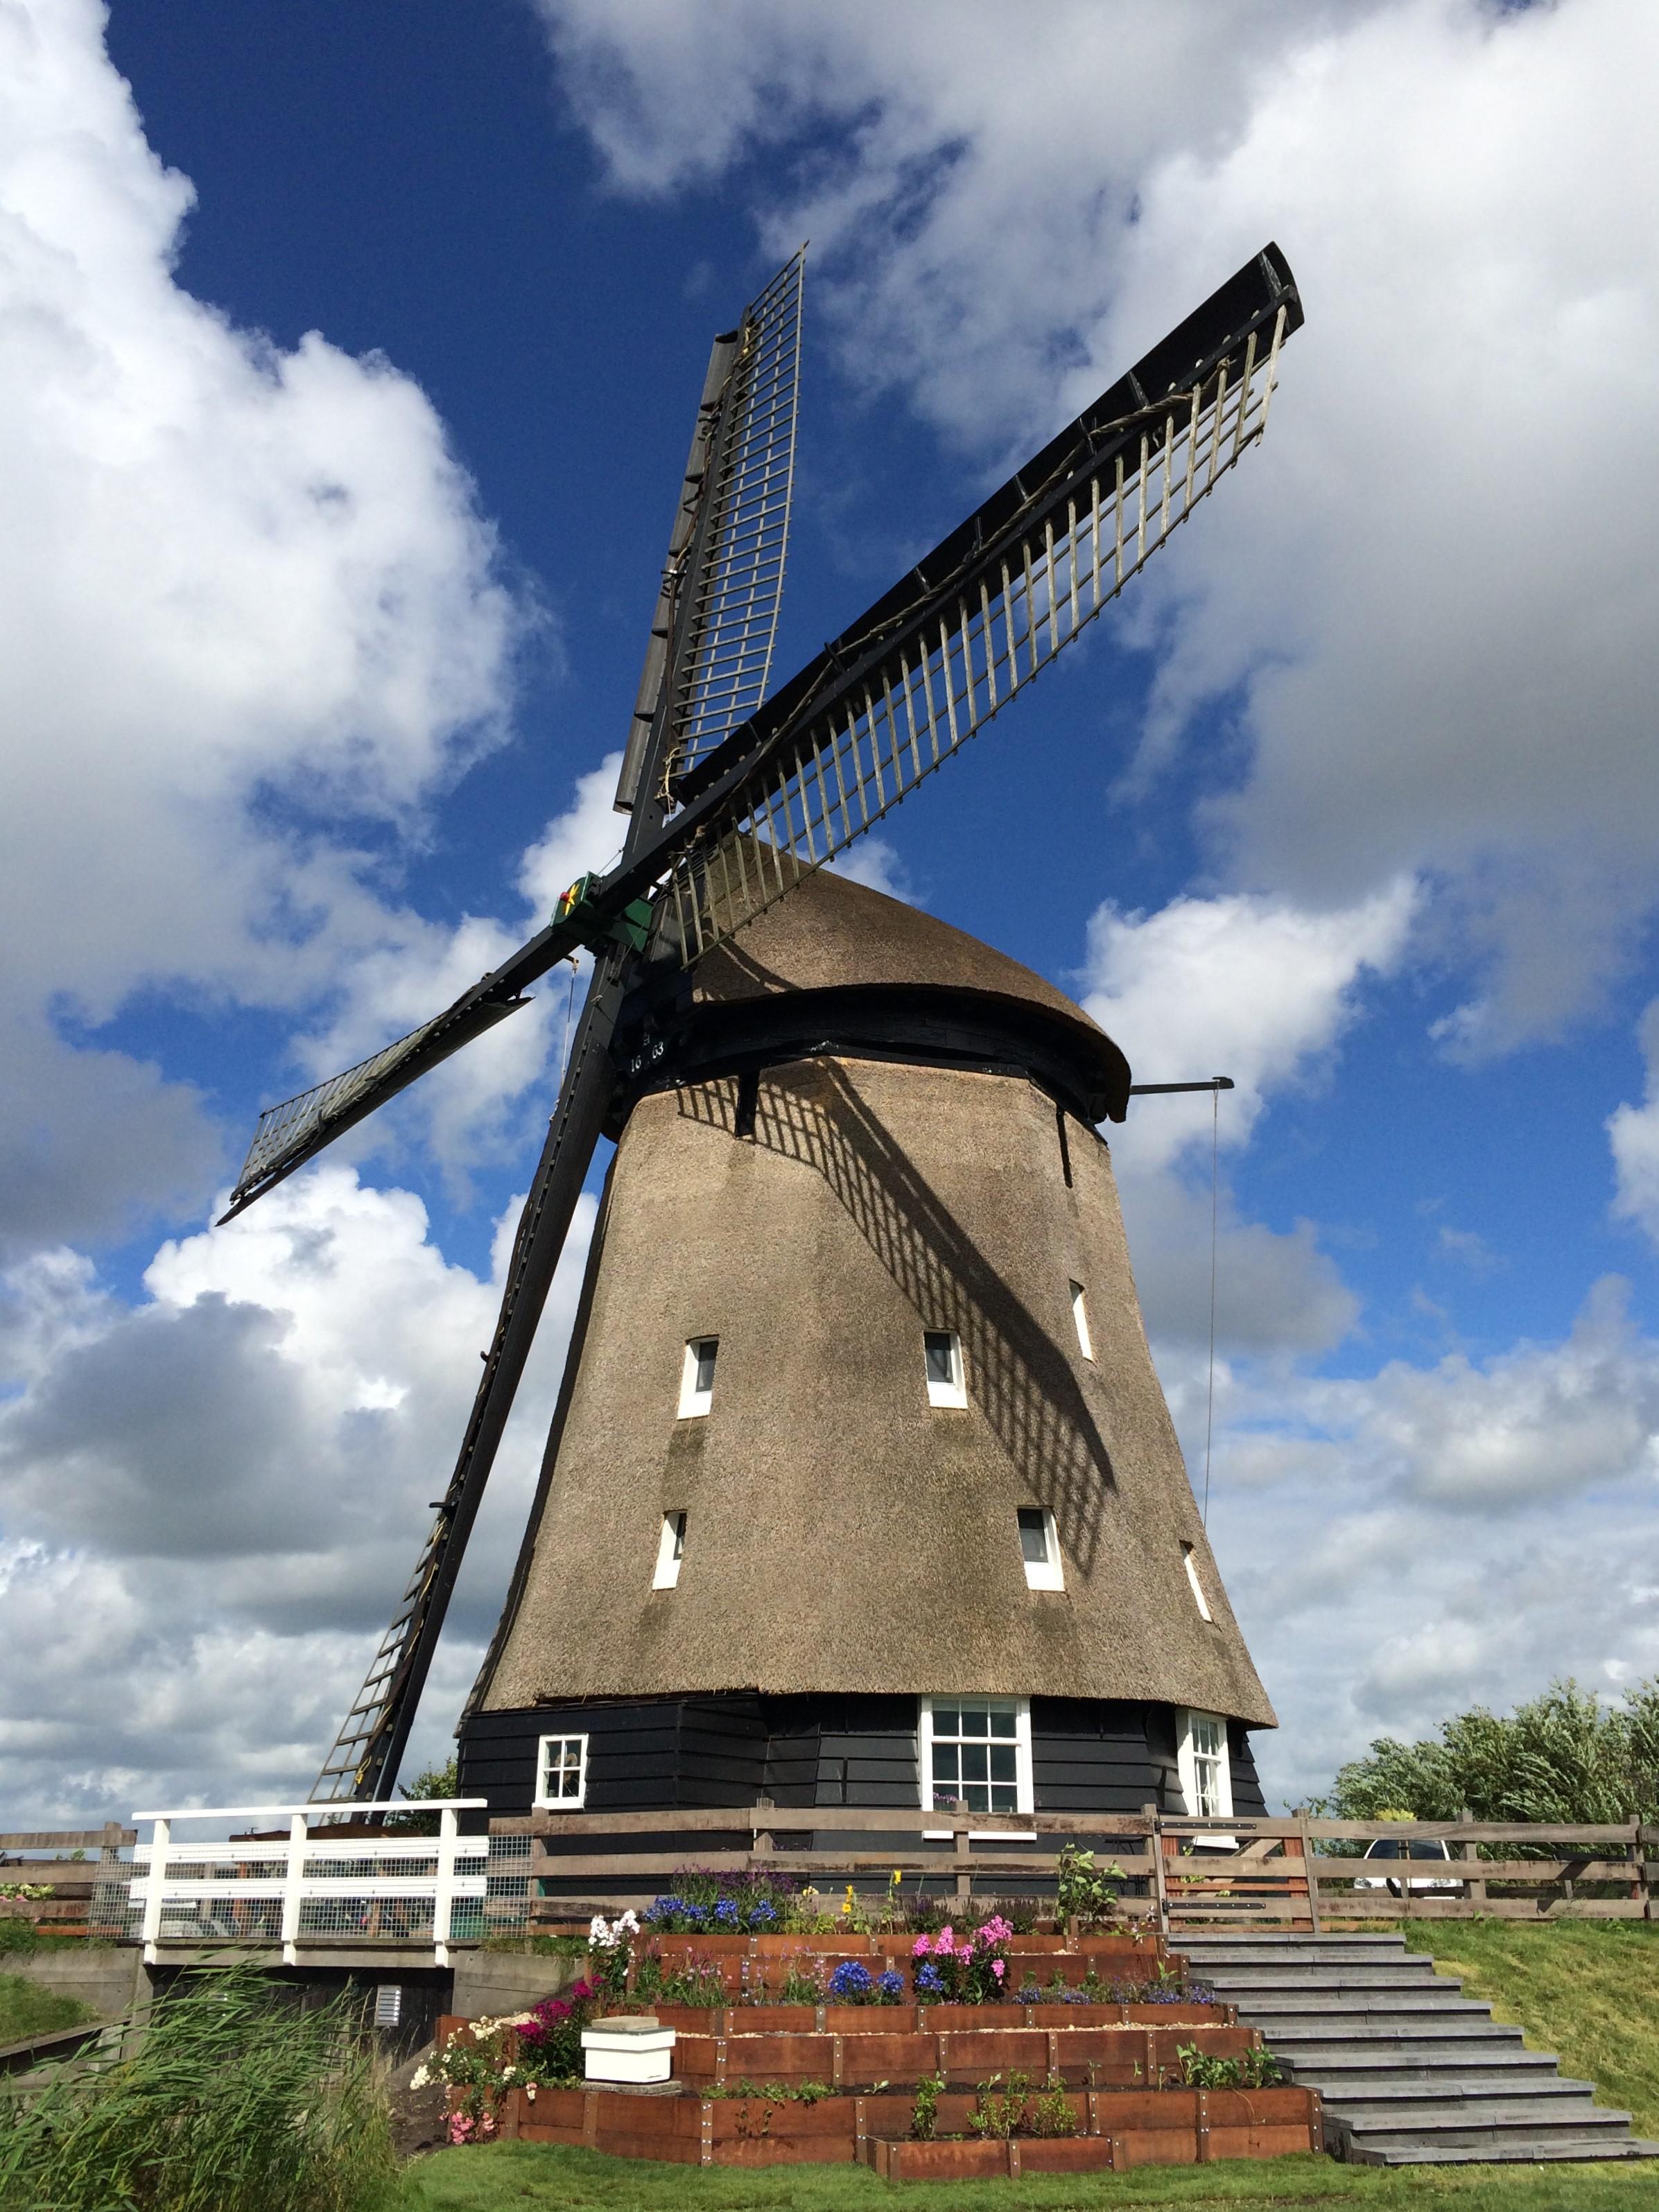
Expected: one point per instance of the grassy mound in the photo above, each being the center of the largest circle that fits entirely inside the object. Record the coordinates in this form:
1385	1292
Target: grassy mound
25	2008
1586	1990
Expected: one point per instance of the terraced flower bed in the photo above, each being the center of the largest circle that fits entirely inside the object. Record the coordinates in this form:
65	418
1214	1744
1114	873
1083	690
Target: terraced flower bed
1108	2128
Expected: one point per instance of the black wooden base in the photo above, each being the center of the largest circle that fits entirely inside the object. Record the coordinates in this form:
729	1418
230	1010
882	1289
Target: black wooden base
736	1748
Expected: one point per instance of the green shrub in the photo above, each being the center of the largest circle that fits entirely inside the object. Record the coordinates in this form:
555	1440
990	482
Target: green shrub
233	2099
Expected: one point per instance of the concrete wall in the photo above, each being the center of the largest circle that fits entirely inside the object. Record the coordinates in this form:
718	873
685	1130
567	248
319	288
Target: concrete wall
490	1983
107	1982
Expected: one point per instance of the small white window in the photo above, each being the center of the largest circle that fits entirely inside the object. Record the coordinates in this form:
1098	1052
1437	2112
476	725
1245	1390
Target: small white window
942	1354
1039	1546
1206	1778
561	1772
697	1376
977	1753
670	1550
1198	1598
1085	1343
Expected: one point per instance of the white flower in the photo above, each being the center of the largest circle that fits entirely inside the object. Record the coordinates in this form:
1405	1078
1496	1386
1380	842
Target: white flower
420	2077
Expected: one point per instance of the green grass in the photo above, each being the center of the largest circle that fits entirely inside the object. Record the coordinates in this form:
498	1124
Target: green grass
1586	1990
25	2008
523	2177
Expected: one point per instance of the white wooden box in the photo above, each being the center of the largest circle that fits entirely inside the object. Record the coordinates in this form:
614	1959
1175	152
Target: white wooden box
628	2048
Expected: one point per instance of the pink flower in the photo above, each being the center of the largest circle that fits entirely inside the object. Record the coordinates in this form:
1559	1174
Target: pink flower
921	1948
998	1968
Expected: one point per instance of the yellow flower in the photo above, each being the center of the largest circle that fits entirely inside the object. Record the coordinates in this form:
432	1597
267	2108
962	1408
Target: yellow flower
897	1877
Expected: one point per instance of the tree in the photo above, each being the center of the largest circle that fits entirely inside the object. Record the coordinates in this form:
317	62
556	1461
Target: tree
1563	1757
431	1782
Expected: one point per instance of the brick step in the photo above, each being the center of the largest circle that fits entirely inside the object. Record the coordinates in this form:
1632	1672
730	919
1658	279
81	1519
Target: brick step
1530	2072
1450	2042
1521	2151
1486	2132
1242	1985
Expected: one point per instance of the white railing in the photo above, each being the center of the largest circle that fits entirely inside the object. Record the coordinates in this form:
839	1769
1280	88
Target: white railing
309	1884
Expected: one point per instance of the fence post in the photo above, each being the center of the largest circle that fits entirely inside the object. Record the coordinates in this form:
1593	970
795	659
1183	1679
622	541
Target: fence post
1474	1889
293	1883
1308	1869
161	1836
443	1887
963	1857
1160	1889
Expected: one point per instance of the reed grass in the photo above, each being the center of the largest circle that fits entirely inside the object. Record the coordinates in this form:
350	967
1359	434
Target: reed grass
232	2099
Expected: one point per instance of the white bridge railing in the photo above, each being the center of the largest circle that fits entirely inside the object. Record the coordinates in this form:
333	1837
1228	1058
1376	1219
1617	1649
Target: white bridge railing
313	1883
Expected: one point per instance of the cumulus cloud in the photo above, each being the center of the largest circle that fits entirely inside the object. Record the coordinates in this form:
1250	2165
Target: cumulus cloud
1409	1543
246	597
1426	687
234	1475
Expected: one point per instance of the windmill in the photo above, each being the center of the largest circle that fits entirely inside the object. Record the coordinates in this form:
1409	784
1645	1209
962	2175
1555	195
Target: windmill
736	799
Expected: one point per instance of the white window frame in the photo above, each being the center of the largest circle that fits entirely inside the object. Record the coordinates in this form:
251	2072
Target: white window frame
695	1402
1187	1760
955	1392
1048	1574
1023	1785
562	1804
671	1551
1197	1587
1085	1343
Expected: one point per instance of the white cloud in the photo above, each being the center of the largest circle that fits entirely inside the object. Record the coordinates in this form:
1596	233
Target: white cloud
246	598
1402	1546
1435	600
232	1479
1247	986
1633	1133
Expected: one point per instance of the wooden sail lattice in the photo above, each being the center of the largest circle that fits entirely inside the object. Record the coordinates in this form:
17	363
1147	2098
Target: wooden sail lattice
932	681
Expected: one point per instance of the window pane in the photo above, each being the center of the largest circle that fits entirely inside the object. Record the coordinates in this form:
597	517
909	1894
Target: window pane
973	1762
975	1721
567	1783
1206	1733
679	1535
706	1350
1004	1724
1002	1762
1004	1799
947	1721
945	1762
1033	1537
941	1356
977	1798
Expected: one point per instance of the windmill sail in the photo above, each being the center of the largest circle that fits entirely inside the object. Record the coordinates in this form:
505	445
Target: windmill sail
924	669
733	613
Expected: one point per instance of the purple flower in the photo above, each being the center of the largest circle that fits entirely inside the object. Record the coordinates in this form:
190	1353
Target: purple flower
851	1983
891	1986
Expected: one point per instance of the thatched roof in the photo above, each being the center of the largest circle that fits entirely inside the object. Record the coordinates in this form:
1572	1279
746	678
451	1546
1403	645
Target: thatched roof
844	1534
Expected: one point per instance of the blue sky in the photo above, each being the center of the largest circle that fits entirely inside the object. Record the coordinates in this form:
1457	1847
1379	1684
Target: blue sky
314	639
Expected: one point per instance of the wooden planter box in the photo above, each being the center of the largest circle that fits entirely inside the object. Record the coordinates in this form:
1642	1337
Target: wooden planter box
1116	2130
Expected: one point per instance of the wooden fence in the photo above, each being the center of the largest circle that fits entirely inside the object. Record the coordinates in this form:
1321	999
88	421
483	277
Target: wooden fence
1298	1873
40	1858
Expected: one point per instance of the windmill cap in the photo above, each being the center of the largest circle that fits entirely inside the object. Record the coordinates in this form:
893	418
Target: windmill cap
838	961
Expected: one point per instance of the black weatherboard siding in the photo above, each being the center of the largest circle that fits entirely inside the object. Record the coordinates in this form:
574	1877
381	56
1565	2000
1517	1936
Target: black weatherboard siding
734	1748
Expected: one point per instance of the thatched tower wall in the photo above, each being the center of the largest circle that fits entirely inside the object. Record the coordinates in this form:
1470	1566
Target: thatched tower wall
863	1126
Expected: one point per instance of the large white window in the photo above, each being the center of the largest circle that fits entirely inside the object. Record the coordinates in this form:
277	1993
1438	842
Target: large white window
977	1753
697	1376
1039	1547
670	1550
1197	1587
1206	1775
561	1772
947	1382
1085	1343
